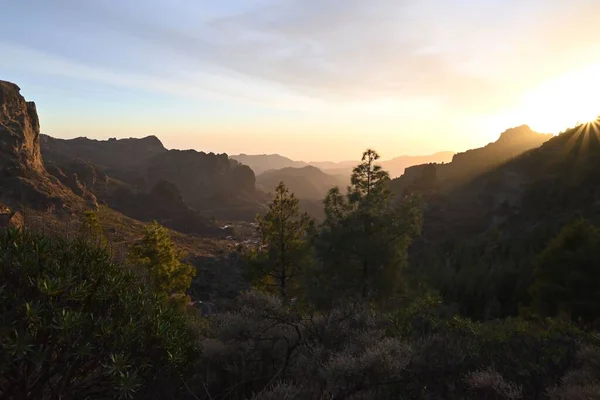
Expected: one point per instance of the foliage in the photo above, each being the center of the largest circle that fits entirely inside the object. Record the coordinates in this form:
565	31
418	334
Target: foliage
91	230
280	262
158	259
363	241
262	347
567	274
75	325
581	382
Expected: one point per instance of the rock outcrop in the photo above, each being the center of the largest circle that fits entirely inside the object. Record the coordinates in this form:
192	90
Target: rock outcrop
210	183
112	154
11	219
24	180
19	133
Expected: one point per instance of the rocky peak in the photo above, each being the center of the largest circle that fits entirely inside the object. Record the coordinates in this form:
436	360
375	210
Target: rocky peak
19	133
109	154
520	134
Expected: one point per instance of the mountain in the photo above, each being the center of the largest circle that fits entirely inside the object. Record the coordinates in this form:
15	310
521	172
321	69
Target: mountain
555	181
112	154
209	183
306	182
469	164
395	166
24	180
480	238
260	163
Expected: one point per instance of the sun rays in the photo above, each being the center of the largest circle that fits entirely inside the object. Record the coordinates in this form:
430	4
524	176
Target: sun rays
585	141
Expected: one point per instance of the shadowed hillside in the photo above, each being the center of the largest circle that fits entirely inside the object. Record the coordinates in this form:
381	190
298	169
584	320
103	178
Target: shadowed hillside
494	225
306	183
208	183
472	163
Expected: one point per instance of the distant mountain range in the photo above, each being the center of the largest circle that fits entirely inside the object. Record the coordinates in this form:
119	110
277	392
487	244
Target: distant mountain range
305	182
143	180
264	162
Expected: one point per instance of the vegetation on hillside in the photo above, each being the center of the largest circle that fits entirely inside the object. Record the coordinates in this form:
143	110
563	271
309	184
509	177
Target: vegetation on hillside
336	310
75	325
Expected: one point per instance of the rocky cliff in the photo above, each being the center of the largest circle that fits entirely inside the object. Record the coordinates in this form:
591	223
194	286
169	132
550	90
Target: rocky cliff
112	154
209	183
19	133
23	179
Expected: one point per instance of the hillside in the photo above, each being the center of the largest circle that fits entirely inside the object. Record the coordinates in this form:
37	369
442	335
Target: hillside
260	163
47	191
494	225
397	166
306	183
472	163
555	181
131	169
111	154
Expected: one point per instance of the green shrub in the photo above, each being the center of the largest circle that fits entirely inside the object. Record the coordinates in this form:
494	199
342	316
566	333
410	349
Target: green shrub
74	325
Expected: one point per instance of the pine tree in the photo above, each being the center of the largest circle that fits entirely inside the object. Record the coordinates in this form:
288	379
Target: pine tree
567	274
364	238
279	263
91	231
159	260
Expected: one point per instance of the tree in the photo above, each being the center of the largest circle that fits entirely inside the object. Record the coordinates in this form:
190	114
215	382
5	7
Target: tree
90	229
159	260
567	273
364	238
279	262
75	325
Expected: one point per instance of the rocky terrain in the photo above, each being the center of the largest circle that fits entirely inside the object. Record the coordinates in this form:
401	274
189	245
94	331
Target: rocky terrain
24	181
130	175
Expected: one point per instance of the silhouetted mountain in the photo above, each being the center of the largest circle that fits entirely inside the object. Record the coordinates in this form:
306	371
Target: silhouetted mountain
260	163
23	178
489	230
112	154
469	164
209	183
553	182
306	183
395	166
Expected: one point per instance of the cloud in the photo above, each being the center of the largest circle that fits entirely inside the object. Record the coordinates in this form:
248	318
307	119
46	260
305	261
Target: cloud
458	52
464	54
199	85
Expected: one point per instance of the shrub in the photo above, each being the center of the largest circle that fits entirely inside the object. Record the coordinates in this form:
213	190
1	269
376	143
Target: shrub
75	325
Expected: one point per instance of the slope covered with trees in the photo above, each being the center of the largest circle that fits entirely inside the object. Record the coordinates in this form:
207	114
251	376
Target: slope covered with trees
480	240
335	312
486	287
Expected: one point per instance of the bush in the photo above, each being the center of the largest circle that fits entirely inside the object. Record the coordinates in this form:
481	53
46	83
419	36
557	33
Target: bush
263	347
75	325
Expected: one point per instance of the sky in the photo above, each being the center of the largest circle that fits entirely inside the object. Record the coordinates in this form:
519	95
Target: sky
311	80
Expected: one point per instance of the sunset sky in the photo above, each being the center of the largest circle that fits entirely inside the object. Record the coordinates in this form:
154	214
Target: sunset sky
312	80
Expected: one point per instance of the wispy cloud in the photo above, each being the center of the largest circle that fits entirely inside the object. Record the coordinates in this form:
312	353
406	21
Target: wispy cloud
287	51
195	85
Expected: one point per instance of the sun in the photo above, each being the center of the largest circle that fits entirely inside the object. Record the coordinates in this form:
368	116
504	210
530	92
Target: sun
564	102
